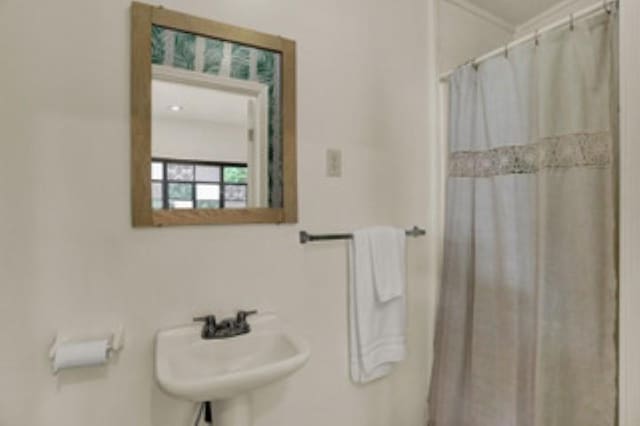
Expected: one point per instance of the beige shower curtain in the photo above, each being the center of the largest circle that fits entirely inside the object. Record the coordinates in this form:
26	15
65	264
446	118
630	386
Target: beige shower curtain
527	312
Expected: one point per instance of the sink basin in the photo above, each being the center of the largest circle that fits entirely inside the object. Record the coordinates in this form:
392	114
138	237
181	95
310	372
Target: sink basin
195	369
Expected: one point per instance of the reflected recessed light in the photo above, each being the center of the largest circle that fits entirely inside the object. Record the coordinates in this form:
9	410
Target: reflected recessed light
175	108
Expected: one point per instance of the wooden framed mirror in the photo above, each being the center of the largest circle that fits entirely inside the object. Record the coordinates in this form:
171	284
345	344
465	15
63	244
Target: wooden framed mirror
213	122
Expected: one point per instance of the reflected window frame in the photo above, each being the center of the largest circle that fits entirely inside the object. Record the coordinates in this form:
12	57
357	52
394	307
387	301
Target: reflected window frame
221	182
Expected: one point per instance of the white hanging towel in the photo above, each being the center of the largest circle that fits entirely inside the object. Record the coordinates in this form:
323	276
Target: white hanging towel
377	302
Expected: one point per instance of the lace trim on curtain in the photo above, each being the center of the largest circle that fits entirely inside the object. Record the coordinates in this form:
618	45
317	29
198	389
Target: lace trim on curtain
564	151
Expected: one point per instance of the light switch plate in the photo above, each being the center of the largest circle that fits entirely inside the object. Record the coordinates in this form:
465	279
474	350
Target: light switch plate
334	163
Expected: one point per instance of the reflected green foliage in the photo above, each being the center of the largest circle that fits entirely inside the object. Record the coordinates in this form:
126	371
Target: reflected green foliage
157	45
240	58
213	54
184	54
180	191
235	175
265	66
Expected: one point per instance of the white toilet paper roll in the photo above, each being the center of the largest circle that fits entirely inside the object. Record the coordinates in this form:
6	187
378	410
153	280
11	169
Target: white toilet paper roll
80	354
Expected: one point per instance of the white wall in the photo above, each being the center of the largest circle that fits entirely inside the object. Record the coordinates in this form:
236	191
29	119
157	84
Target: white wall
465	33
70	260
198	140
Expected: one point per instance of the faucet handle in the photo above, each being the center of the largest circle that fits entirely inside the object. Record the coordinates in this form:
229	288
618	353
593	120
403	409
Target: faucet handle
208	319
241	316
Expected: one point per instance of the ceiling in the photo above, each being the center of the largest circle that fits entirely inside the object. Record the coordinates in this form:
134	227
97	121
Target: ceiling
198	103
515	12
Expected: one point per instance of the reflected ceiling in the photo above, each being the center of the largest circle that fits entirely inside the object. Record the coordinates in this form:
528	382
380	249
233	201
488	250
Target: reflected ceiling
198	103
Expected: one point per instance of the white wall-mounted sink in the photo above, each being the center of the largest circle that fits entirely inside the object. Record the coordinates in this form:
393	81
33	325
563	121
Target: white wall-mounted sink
225	370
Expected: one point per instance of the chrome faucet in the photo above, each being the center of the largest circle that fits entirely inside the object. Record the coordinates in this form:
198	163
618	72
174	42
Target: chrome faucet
228	327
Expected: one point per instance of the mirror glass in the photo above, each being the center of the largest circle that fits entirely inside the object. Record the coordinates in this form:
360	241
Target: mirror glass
216	124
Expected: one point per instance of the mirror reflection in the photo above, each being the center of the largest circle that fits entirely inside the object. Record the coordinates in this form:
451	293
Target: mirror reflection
216	106
213	122
206	148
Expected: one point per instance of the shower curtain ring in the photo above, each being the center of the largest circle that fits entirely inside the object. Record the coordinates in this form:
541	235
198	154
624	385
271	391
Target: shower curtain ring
605	5
506	51
537	37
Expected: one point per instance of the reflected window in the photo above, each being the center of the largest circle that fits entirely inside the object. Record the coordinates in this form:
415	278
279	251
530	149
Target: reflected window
182	184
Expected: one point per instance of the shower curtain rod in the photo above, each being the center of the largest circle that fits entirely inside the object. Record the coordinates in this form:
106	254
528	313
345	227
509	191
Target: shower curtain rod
601	7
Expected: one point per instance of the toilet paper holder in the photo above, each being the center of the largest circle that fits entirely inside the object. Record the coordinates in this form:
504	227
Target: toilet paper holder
115	342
